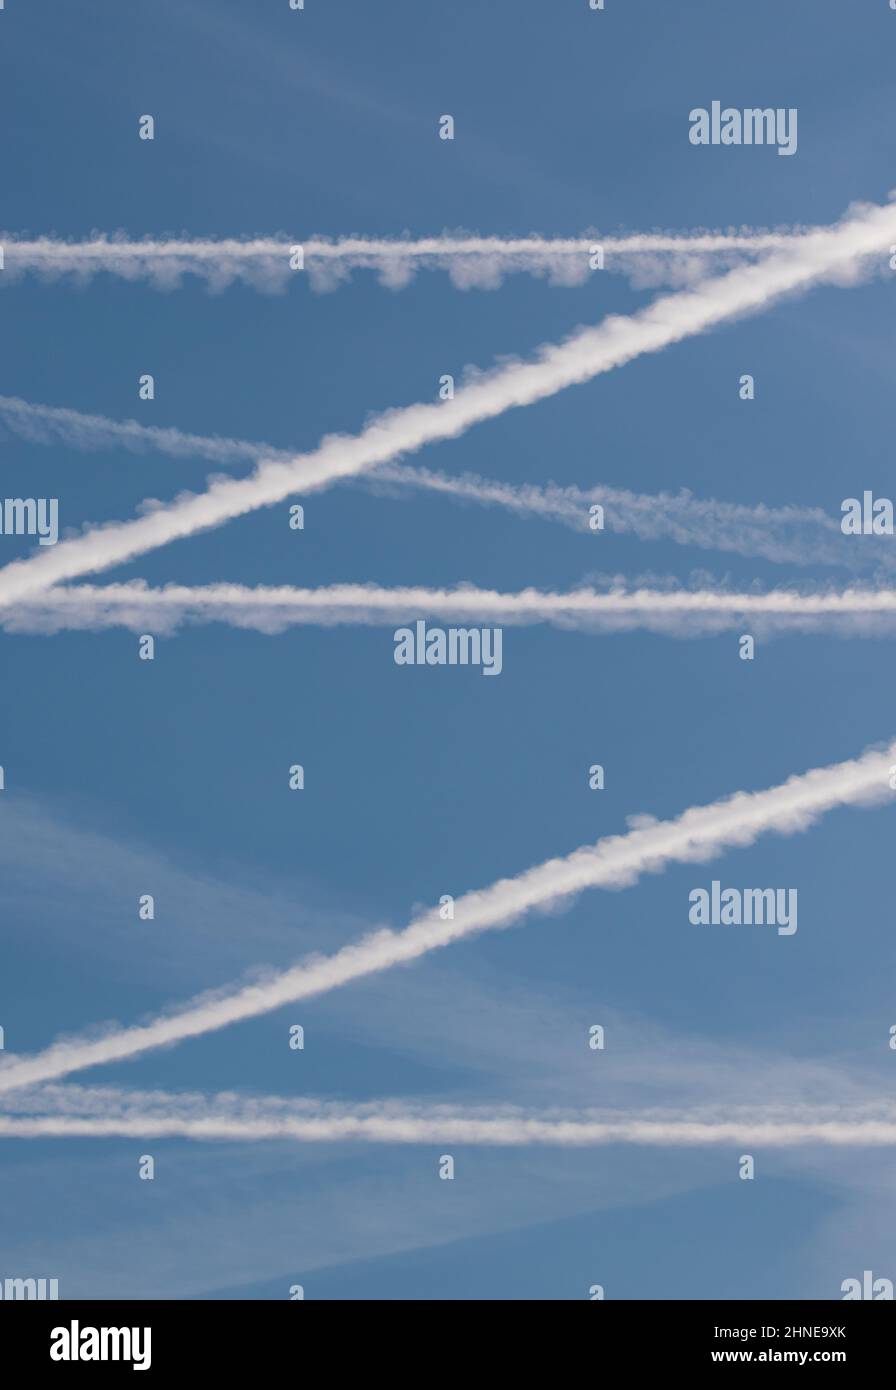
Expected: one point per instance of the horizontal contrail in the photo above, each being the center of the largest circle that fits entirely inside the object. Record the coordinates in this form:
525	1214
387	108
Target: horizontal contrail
470	261
113	1109
838	253
156	1115
682	612
788	535
618	861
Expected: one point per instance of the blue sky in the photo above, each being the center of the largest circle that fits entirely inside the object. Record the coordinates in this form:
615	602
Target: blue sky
125	777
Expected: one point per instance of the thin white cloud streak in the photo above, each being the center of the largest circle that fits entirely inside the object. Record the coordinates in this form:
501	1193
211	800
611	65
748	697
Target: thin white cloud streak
618	861
836	254
679	612
788	535
498	1131
104	1112
46	424
471	262
785	535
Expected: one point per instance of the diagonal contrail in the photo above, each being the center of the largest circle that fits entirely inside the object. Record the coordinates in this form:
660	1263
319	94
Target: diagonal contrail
697	835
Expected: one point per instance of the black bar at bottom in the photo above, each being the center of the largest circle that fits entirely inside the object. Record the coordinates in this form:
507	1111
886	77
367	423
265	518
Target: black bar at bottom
70	1338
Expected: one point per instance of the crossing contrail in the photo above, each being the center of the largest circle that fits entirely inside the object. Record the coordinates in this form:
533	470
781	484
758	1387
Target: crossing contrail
838	253
784	535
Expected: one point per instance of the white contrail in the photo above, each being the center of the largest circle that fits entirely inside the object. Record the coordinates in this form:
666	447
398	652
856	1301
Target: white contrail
47	424
789	535
615	862
681	612
112	1113
470	261
784	535
838	253
228	1114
